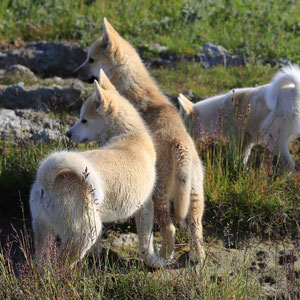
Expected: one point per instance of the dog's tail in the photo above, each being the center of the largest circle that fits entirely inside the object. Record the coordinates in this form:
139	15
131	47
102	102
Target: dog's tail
185	105
59	163
287	75
183	181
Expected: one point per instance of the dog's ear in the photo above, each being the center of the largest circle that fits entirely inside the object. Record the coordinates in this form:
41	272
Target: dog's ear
105	83
186	106
100	98
109	34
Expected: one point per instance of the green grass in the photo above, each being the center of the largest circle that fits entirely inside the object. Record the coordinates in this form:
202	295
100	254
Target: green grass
242	201
241	194
252	200
254	28
208	82
116	280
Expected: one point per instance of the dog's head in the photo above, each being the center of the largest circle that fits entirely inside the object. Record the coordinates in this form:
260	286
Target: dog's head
95	114
105	53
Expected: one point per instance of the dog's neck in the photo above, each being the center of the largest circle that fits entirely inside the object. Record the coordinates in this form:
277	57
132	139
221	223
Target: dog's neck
129	127
138	87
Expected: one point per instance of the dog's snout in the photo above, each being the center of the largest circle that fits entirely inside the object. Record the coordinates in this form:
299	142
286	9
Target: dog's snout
69	134
75	73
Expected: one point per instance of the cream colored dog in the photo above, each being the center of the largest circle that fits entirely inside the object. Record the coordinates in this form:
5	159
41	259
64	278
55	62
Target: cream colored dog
75	192
179	169
271	114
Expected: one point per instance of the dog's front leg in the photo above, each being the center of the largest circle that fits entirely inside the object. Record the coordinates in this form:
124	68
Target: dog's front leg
246	153
42	235
144	225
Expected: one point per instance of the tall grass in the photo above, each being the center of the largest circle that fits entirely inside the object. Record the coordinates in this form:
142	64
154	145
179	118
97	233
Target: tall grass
103	279
254	28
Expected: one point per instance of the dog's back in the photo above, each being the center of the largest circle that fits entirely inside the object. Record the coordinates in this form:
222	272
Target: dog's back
75	192
179	170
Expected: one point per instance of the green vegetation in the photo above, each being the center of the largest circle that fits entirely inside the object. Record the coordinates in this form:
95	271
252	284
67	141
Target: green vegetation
208	82
118	280
243	201
268	29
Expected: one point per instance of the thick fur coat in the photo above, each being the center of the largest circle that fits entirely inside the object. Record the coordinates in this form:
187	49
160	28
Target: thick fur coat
179	169
270	115
75	192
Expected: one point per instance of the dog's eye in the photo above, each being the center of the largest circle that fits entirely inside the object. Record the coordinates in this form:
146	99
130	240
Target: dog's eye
83	121
91	60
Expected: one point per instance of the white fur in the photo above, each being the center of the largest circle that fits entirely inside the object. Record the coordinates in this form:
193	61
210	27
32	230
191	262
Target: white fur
74	193
288	75
272	112
50	207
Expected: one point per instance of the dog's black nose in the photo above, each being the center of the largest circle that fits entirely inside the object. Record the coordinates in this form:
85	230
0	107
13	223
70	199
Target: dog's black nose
69	134
75	73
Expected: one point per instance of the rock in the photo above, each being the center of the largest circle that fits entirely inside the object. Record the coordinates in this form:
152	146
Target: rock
46	59
125	240
212	55
162	62
20	72
28	124
43	97
158	48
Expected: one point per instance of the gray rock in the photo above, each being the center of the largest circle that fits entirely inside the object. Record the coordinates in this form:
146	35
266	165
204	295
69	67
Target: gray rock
125	240
158	48
46	59
28	124
212	55
41	97
19	71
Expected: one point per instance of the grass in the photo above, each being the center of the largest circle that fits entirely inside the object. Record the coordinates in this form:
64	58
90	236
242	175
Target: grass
249	201
115	279
239	194
208	82
252	28
240	202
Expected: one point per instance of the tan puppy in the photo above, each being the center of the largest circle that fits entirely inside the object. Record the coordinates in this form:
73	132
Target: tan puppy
75	192
179	170
271	114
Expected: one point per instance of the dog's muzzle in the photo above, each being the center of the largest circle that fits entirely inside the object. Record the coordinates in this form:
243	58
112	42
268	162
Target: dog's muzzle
92	79
69	134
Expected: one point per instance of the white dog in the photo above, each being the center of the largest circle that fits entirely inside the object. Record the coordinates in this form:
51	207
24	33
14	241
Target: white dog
271	114
75	192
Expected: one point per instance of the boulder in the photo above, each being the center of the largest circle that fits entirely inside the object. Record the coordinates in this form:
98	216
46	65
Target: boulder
212	55
40	97
46	59
28	124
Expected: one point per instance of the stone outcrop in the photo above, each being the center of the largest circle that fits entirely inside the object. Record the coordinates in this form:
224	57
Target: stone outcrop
39	97
46	59
28	124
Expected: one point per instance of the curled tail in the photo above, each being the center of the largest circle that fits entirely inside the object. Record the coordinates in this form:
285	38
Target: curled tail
60	162
183	181
287	75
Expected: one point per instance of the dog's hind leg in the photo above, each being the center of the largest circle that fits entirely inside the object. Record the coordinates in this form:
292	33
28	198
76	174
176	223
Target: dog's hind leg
144	225
281	150
161	196
42	235
76	245
246	152
196	213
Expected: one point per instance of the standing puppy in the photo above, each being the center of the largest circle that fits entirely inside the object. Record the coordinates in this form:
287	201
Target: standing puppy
75	192
271	112
179	169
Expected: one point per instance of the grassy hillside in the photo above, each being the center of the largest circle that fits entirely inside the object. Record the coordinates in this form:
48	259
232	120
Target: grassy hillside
240	202
268	29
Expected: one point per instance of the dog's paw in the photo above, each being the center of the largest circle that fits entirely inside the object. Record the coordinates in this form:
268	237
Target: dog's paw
160	262
154	261
195	257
